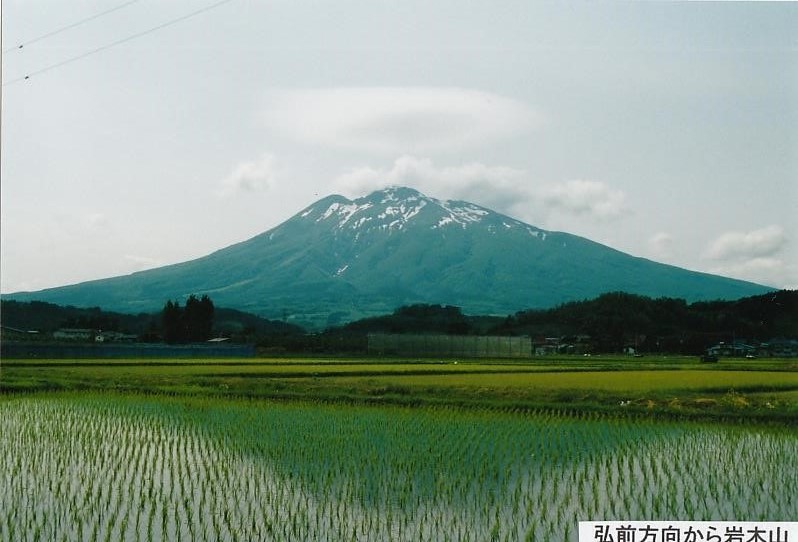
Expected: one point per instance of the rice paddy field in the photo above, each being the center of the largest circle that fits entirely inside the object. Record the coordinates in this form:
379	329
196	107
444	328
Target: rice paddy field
277	450
106	467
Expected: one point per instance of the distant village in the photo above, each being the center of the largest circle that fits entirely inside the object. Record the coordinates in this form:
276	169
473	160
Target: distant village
577	345
429	345
83	335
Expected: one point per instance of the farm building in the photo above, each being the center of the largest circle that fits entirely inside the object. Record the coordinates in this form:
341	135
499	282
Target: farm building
735	349
74	334
15	334
783	348
80	334
462	346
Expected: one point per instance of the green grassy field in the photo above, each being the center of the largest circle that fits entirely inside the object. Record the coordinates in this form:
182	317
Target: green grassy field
763	390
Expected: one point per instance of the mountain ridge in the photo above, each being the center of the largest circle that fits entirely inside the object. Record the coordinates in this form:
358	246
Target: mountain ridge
340	259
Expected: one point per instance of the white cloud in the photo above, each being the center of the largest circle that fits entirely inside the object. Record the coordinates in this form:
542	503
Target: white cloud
501	188
581	197
769	271
249	176
757	244
498	187
754	255
660	245
396	119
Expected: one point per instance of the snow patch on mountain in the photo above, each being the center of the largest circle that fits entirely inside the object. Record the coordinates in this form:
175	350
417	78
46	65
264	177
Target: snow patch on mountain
360	221
400	193
394	208
460	214
540	234
343	211
402	213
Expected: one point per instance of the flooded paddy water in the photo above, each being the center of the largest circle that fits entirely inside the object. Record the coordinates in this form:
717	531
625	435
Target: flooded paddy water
116	467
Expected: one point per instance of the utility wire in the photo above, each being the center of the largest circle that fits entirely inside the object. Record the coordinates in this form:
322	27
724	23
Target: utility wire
67	27
117	42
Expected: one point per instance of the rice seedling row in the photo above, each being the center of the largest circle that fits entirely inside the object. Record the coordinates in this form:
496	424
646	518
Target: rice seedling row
112	467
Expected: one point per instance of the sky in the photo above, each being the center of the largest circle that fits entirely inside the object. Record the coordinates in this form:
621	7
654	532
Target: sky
151	132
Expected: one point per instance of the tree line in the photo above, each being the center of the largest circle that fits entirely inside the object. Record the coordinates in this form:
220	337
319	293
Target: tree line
196	320
617	319
610	321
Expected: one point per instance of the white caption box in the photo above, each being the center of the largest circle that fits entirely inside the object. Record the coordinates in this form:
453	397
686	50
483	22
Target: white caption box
688	531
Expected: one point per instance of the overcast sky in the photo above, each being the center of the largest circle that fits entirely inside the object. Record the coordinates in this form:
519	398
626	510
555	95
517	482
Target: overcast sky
665	130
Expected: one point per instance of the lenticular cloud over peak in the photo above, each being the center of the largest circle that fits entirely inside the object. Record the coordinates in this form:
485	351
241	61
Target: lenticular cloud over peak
396	119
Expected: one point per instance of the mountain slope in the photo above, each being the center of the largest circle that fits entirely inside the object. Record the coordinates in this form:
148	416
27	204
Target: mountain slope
351	259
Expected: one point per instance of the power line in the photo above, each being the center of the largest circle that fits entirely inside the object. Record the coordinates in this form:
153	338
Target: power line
117	42
67	27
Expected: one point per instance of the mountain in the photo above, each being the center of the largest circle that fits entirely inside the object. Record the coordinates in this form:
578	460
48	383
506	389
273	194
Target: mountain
339	259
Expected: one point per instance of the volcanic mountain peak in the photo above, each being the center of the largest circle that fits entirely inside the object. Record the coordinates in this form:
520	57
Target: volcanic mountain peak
341	259
395	207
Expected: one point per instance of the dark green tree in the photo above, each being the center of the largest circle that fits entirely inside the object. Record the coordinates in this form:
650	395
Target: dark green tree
172	322
192	323
198	318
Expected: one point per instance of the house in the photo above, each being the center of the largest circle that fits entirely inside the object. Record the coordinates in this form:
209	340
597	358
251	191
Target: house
74	334
115	336
98	336
13	333
783	348
546	345
734	349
